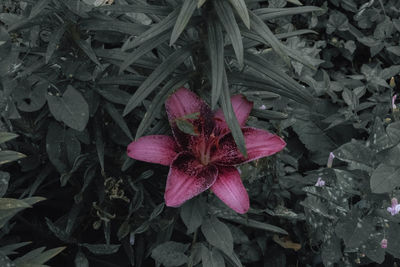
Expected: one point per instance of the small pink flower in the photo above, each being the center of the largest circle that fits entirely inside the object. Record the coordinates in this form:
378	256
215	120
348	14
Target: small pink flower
395	208
320	182
263	107
208	157
330	160
384	243
393	102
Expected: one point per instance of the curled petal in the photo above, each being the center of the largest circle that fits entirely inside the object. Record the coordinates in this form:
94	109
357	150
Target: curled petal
241	107
186	106
229	188
187	178
159	149
259	144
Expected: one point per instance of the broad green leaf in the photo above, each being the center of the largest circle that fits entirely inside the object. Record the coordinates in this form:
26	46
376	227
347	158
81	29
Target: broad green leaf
156	77
156	29
230	117
385	179
101	249
170	254
354	230
5	136
7	156
216	50
212	258
186	127
263	30
158	103
192	213
70	108
117	117
241	9
184	16
227	18
54	43
218	235
146	47
357	154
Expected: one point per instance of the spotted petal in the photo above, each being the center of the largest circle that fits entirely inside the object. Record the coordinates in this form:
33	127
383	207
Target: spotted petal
159	149
229	188
187	106
187	178
241	107
259	144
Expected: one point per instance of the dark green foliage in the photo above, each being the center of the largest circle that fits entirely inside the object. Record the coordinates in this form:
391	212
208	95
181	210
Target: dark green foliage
80	79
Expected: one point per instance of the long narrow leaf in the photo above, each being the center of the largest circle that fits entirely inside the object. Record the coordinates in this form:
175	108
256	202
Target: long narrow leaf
241	9
146	47
216	50
156	77
184	16
227	18
158	102
273	13
156	29
263	30
230	117
114	26
40	6
117	117
149	9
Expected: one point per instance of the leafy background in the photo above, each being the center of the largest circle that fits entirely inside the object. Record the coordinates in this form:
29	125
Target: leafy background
80	79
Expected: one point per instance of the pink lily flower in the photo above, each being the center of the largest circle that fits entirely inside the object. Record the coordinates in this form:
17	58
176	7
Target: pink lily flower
395	208
206	157
320	182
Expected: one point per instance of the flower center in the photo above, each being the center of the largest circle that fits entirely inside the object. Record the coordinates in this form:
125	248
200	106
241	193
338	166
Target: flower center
204	149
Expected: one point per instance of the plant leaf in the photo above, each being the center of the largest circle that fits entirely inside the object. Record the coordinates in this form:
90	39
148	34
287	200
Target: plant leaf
241	9
184	16
70	108
218	235
156	77
7	156
230	117
53	43
6	136
227	18
118	119
216	50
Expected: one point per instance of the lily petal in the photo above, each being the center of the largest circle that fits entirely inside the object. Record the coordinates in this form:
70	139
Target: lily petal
183	105
187	178
241	107
229	188
159	149
259	144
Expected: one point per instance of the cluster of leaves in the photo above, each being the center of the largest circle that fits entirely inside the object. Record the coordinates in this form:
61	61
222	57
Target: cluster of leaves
80	79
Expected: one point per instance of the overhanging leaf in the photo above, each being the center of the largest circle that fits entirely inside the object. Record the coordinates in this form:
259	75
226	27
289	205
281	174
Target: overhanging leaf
216	50
230	117
156	77
241	9
227	18
184	16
